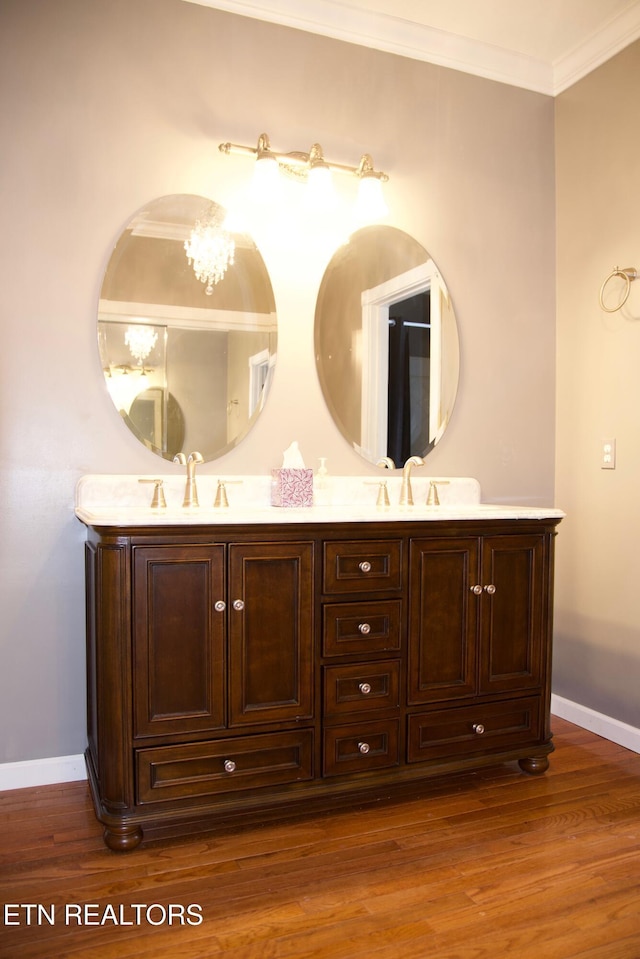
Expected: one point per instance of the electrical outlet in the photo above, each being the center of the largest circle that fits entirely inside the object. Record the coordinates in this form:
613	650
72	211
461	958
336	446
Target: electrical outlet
608	454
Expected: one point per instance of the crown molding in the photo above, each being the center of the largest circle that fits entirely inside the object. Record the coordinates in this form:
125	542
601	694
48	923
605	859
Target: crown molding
393	35
611	39
417	42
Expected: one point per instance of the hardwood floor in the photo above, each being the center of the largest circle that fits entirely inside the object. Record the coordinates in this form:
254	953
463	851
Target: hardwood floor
484	865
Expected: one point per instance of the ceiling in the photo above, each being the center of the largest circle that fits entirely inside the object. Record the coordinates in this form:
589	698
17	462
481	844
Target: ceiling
541	45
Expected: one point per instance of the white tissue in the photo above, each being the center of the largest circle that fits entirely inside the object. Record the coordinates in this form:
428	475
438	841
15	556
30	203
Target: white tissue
292	458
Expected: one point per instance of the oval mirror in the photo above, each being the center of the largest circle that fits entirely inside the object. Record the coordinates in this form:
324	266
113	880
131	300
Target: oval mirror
187	328
386	345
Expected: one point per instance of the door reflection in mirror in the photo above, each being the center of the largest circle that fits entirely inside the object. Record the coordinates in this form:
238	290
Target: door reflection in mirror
408	387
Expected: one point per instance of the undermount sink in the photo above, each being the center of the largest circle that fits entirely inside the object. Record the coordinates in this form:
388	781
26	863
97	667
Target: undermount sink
121	500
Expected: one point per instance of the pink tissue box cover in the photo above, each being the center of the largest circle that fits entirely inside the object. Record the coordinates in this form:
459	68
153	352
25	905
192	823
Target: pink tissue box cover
291	487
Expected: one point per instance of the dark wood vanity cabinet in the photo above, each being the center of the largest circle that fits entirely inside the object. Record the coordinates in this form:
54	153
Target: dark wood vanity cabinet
179	639
362	643
478	632
234	668
188	676
476	616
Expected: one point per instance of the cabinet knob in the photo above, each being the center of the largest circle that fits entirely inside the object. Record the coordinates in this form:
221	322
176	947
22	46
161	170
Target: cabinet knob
365	566
365	688
477	589
490	589
478	729
364	628
238	604
229	766
220	606
364	748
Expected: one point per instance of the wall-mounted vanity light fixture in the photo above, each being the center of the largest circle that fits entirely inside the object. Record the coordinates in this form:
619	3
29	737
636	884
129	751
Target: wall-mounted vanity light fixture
628	274
315	170
125	384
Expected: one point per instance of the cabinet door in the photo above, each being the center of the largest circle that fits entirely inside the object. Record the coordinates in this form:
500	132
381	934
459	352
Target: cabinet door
512	604
178	639
270	632
443	619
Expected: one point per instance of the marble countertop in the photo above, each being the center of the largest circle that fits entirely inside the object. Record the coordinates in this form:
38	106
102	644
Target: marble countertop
121	500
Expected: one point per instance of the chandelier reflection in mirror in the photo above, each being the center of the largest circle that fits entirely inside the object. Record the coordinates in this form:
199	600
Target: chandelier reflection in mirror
210	247
316	171
140	340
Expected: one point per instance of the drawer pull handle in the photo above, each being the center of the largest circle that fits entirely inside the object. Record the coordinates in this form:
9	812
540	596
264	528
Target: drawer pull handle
490	589
364	748
220	606
238	604
364	628
476	590
478	729
229	766
365	566
365	688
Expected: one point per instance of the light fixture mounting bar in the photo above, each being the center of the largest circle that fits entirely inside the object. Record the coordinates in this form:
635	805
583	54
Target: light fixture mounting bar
298	163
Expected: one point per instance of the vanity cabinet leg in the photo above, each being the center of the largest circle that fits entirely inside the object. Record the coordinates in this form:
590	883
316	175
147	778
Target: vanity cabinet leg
122	838
534	765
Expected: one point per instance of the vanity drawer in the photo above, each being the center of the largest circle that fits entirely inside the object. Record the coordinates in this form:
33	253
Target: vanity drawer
205	769
472	729
362	565
361	747
354	689
354	628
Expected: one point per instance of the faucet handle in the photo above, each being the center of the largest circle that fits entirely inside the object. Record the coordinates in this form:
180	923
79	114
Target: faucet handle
158	501
221	499
383	495
383	491
433	499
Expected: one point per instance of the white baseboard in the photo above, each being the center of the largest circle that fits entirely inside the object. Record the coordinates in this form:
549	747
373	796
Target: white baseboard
42	772
612	729
66	769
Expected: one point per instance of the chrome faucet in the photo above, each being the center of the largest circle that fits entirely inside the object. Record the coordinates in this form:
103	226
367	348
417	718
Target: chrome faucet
406	495
191	490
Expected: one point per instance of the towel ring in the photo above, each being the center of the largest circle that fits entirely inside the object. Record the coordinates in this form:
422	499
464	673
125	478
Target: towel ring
629	274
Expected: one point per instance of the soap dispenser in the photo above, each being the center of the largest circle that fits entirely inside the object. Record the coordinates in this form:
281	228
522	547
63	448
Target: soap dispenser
321	484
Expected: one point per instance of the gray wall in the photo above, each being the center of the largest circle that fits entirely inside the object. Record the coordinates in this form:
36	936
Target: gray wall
597	660
110	103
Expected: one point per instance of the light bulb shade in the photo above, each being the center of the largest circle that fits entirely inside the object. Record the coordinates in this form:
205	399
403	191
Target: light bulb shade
370	205
320	195
266	179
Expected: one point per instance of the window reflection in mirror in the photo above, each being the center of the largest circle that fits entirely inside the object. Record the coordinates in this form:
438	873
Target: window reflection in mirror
386	345
185	370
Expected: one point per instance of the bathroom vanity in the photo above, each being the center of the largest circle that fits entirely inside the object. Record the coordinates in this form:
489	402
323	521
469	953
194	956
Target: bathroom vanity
245	659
